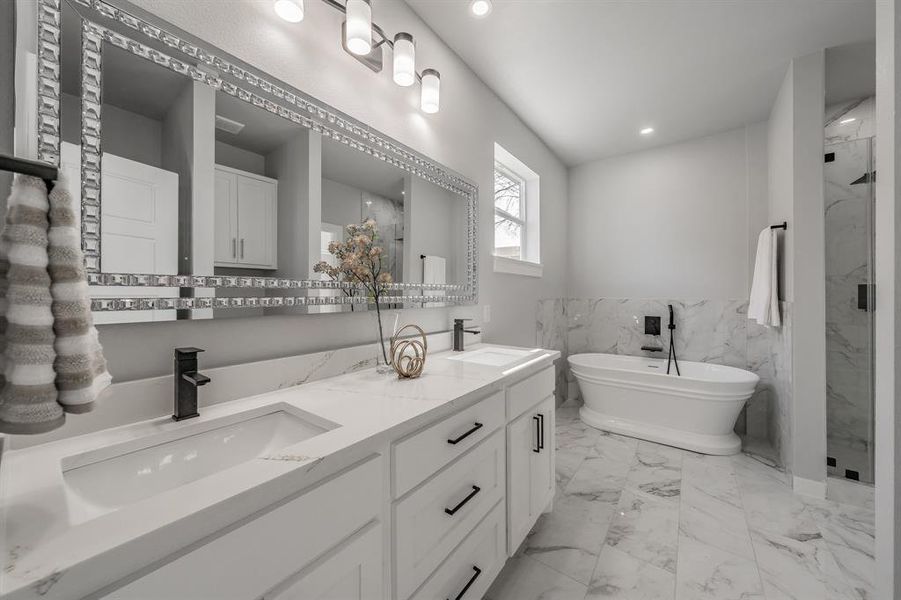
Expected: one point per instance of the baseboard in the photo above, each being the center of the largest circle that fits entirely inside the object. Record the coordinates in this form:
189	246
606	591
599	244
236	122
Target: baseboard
809	487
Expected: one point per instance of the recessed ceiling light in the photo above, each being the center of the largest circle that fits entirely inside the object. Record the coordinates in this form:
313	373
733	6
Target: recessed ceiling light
480	8
290	10
846	121
647	131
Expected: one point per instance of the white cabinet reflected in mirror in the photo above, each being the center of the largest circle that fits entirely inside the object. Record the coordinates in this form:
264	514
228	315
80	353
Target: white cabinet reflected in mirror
225	187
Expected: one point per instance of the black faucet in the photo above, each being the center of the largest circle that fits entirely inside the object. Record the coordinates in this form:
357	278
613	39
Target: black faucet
187	380
458	333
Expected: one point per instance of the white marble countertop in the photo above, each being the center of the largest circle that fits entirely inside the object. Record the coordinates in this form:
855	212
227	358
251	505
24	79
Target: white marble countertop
47	554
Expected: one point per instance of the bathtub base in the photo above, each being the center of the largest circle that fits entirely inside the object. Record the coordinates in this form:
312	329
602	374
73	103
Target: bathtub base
720	445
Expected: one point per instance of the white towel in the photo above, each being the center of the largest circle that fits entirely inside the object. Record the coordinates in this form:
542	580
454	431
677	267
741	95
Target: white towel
763	306
434	270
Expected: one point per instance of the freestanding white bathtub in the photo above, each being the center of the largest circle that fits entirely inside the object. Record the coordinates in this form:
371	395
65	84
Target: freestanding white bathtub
634	396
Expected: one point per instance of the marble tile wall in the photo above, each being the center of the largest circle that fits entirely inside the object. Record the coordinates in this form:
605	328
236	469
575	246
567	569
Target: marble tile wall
706	331
848	214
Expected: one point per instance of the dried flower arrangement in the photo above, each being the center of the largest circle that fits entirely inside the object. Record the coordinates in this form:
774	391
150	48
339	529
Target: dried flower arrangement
360	261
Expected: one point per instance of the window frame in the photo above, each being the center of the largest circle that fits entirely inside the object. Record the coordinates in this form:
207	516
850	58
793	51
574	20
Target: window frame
522	220
529	262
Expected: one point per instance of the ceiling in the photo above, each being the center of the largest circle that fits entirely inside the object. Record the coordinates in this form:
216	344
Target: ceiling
850	72
586	75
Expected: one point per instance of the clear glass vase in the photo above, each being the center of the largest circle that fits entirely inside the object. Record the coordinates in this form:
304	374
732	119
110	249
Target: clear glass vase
382	326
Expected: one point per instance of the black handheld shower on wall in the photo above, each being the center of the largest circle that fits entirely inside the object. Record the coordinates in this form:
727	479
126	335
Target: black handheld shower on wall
671	359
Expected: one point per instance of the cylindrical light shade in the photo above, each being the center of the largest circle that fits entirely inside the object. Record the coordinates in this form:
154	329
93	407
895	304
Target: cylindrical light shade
404	60
431	91
289	10
358	31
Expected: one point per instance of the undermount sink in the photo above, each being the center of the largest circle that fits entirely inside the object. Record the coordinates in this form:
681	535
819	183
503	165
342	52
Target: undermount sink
106	479
493	357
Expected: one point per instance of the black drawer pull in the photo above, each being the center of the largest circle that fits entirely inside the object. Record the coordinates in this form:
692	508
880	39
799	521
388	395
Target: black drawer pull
537	447
476	426
469	583
475	490
541	431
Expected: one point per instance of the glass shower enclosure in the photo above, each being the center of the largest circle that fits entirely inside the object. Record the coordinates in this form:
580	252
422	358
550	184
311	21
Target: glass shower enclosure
849	200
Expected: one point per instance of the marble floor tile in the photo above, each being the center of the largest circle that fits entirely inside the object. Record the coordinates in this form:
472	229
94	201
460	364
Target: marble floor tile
620	576
647	529
575	436
793	569
850	535
598	479
656	472
524	578
615	448
711	511
569	539
566	464
706	572
850	492
637	520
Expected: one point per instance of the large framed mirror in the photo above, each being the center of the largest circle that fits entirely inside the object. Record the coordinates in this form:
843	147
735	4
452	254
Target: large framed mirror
210	189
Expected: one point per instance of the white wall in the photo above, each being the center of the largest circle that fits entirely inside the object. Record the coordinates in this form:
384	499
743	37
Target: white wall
239	158
461	136
340	203
431	220
796	140
671	222
888	301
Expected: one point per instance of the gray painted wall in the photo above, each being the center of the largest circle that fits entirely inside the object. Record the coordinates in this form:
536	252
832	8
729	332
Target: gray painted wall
643	225
888	301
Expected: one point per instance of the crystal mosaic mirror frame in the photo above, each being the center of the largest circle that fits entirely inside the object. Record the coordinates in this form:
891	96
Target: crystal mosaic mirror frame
204	63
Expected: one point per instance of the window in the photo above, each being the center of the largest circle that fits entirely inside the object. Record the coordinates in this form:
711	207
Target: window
516	216
509	213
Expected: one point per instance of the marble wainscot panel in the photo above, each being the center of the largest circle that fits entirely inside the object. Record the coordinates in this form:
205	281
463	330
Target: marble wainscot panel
863	125
715	331
144	399
552	335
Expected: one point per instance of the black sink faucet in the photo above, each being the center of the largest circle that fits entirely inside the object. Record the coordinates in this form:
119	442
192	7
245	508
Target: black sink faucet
187	380
458	333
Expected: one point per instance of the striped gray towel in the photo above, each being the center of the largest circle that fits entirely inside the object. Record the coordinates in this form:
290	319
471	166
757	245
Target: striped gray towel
28	399
80	367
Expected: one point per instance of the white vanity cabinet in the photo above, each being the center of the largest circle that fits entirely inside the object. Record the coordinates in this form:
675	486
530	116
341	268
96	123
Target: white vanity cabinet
530	454
246	212
312	546
432	514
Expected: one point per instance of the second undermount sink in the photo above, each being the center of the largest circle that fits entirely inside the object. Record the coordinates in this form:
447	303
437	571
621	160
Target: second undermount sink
109	478
493	357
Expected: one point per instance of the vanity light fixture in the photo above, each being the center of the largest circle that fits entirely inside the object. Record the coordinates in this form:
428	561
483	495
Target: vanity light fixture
404	60
358	32
647	131
846	121
431	91
289	10
480	8
363	40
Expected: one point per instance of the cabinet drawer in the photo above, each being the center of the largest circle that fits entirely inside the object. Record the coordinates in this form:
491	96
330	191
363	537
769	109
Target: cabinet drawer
432	520
253	558
353	571
473	565
426	451
529	392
